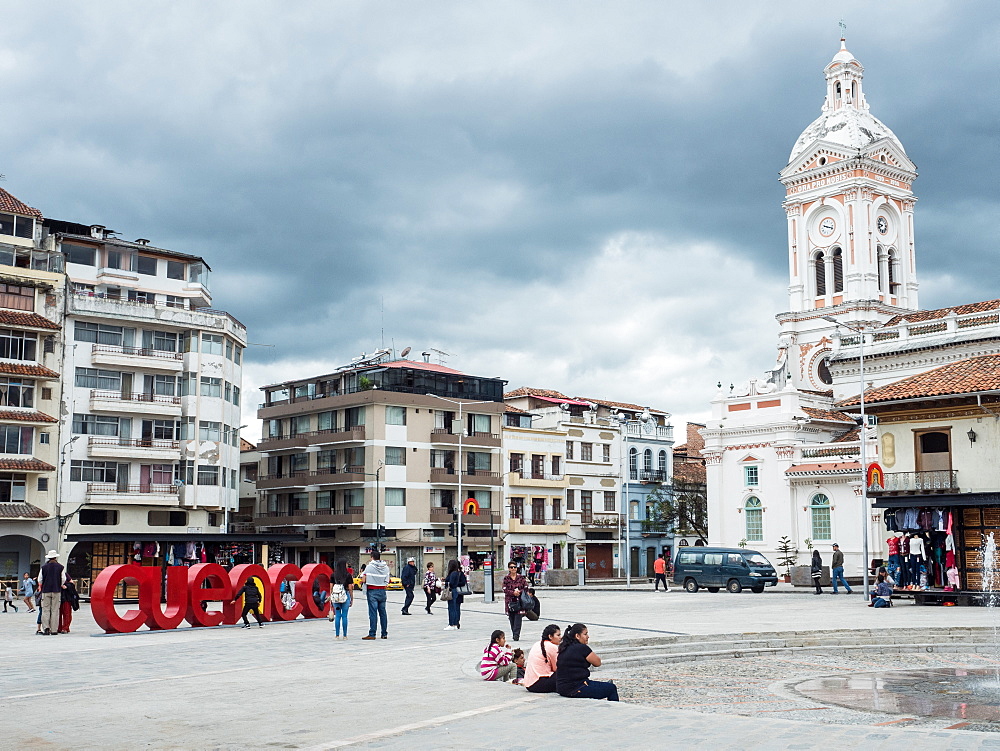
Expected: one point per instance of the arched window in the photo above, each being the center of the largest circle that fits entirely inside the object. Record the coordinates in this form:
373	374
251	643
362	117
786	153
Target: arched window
893	270
820	510
819	260
838	270
647	460
754	519
662	462
880	262
633	464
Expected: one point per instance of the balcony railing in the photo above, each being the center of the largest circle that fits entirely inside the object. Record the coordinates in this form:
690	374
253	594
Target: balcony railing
527	474
334	434
653	475
138	351
539	522
97	301
111	488
932	481
118	396
142	443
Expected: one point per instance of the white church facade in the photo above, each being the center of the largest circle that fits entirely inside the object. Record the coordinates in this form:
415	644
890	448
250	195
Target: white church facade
781	460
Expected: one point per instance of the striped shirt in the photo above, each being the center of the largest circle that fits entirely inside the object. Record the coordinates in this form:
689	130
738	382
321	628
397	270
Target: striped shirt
494	656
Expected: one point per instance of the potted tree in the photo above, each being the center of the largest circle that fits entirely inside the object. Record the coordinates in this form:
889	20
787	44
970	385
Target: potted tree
788	554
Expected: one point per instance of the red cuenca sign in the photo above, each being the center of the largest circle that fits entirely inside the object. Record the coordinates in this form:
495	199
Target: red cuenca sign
189	588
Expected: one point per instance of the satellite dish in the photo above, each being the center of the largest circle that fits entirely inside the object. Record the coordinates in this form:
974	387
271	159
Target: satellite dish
404	353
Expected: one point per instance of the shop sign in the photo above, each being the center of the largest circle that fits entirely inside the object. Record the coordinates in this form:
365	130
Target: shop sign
432	549
188	588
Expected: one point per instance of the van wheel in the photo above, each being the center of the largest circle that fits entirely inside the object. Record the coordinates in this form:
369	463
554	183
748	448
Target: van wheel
757	590
691	585
734	587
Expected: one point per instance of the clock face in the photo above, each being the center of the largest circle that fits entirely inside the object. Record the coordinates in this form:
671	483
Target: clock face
827	226
648	426
883	225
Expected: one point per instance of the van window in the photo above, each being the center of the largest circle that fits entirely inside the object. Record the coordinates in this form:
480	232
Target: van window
756	559
689	558
735	559
713	559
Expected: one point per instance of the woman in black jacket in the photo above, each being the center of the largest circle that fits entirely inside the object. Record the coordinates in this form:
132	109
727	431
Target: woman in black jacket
455	578
816	571
251	602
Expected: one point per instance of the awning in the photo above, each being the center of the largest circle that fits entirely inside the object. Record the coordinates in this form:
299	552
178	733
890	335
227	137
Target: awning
184	537
944	499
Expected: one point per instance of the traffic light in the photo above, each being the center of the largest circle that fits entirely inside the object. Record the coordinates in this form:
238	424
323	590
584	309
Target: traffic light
451	529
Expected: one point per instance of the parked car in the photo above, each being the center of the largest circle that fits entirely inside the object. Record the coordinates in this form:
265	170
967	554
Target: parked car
394	582
715	568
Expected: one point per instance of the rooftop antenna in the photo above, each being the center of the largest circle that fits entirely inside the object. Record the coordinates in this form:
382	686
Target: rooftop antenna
441	355
404	353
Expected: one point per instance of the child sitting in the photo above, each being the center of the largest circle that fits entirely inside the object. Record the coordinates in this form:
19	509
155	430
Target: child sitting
518	658
498	661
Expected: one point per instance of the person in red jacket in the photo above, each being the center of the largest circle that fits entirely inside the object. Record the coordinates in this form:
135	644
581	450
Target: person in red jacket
513	585
660	569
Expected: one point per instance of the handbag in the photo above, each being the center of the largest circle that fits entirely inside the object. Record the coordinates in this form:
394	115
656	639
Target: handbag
463	588
445	593
526	602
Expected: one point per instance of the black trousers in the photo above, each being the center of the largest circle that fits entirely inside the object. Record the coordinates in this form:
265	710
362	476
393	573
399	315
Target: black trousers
409	599
546	685
251	607
661	578
515	624
431	597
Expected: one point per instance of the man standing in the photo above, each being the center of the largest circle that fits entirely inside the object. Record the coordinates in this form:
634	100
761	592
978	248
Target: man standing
660	569
28	591
375	578
51	582
409	580
837	570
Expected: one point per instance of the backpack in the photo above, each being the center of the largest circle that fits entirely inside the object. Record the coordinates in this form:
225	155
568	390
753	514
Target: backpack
338	595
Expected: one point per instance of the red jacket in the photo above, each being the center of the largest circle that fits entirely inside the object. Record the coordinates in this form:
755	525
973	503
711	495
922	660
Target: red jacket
509	585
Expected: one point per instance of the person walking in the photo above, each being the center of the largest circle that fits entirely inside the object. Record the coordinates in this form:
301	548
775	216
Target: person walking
574	663
342	596
251	603
8	598
375	579
498	661
531	573
70	602
513	585
660	570
540	667
430	587
816	571
409	579
455	579
27	591
837	570
51	582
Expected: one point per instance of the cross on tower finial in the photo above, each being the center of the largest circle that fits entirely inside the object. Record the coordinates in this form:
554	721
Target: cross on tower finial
843	29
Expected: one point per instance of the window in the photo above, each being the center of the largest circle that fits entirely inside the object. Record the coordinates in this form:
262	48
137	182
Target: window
647	460
211	344
587	452
569	450
633	464
557	508
43	485
557	466
324	500
354	498
298	501
633	510
517	508
208	475
516	462
819	260
16	393
166	430
163	341
586	506
354	417
145	265
395	455
175	270
713	559
98	333
395	415
165	385
17	297
610	502
44	438
17	345
144	297
95	378
238	354
113	259
754	519
570	500
892	266
478	461
49	345
661	463
299	463
187	429
482	497
209	431
211	386
820	511
156	474
229	349
89	471
688	558
15	439
326	460
479	425
80	254
325	421
166	518
173	301
751	475
301	424
95	425
97	517
12	487
236	395
605	453
838	271
18	226
395	496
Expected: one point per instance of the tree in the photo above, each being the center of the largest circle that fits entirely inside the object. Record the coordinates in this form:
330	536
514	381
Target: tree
788	554
684	507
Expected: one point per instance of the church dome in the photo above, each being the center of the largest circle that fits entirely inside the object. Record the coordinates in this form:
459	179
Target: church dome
849	127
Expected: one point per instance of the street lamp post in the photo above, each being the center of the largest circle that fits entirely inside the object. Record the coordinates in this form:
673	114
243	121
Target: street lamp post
375	474
860	331
461	433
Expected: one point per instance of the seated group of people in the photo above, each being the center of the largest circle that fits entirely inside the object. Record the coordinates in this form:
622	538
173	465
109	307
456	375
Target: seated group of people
559	663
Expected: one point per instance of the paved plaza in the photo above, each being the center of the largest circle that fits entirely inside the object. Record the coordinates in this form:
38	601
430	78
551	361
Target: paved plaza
290	685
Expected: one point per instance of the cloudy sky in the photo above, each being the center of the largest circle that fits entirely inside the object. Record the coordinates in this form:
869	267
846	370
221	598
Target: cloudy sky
571	195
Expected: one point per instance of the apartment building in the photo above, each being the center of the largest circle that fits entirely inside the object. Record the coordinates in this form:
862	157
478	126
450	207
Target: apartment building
243	519
31	313
383	450
151	402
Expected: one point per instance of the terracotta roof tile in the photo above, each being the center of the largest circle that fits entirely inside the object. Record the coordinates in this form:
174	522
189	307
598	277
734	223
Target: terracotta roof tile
21	511
14	206
690	473
826	414
616	405
695	441
26	465
930	315
854	434
21	318
36	371
516	410
9	414
835	468
529	391
417	365
245	445
963	377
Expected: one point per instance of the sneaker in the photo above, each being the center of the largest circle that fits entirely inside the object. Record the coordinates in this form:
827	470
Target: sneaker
385	636
245	625
446	628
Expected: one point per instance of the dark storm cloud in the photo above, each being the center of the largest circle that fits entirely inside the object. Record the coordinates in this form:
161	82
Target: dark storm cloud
441	160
